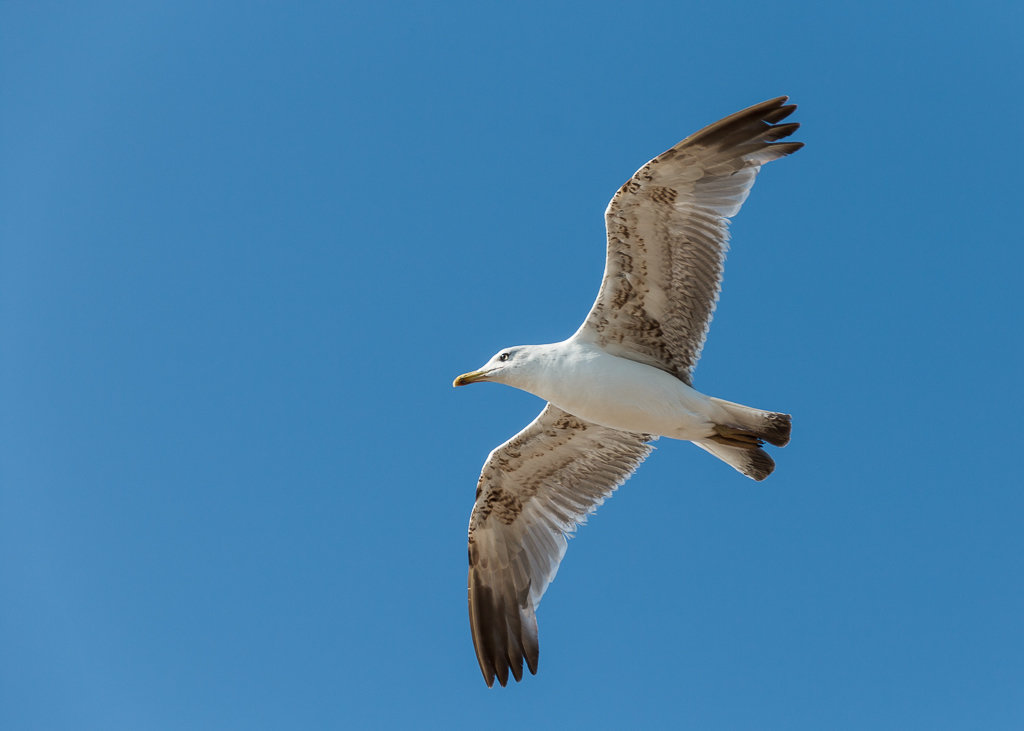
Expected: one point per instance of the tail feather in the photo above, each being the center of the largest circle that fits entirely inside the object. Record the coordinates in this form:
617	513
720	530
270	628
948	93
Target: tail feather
753	462
770	426
738	438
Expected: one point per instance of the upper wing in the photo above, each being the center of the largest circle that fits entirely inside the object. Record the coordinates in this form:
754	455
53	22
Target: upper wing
668	235
533	491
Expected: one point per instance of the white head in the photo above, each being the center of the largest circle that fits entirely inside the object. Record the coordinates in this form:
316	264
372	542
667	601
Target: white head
517	366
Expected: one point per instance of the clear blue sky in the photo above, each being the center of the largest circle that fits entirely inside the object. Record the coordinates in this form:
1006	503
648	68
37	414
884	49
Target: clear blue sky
245	249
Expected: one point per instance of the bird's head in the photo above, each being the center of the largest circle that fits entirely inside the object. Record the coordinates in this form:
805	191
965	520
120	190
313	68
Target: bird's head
507	366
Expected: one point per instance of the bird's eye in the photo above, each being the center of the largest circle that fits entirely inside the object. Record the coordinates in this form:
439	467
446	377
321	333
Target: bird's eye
503	357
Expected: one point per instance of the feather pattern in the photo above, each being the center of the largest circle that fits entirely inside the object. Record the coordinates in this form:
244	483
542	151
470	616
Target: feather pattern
533	491
668	236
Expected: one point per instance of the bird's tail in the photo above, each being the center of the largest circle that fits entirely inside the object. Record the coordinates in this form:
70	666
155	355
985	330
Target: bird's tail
738	439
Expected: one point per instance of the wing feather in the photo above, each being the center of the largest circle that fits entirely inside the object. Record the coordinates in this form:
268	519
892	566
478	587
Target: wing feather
668	236
533	491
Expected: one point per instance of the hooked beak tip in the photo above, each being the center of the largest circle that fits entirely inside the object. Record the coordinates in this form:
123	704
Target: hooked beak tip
467	378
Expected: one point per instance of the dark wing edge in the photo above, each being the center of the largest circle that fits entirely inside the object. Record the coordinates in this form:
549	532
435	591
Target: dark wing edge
668	236
534	490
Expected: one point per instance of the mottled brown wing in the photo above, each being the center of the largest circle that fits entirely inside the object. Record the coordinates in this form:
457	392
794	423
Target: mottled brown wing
668	236
533	491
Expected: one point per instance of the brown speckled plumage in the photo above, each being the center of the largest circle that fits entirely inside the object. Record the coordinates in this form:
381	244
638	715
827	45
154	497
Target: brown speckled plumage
562	469
667	228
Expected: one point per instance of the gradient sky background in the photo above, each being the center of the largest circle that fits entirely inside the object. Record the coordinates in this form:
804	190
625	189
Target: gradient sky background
244	250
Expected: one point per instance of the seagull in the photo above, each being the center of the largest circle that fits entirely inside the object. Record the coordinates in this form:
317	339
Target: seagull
621	381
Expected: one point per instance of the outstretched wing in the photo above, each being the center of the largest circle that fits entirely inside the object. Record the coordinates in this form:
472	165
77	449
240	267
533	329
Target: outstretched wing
533	491
668	236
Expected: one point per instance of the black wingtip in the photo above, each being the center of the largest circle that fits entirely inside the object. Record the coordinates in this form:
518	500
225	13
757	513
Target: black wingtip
758	121
503	674
779	114
781	131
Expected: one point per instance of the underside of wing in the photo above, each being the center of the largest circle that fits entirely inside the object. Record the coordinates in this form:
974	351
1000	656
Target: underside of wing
533	491
668	236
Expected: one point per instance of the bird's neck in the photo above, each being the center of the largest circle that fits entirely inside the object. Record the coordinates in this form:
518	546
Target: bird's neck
541	373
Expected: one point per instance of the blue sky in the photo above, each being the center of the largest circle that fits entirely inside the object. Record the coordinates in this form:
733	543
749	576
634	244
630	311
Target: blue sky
244	250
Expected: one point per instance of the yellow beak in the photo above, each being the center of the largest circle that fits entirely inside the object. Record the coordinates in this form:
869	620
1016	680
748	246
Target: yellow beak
472	377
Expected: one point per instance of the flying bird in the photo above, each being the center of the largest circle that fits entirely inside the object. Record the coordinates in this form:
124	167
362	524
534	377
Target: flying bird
621	381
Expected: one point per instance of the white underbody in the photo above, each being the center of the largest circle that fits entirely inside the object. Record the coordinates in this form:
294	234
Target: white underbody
623	394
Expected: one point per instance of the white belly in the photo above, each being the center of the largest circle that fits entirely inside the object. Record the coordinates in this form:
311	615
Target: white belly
627	395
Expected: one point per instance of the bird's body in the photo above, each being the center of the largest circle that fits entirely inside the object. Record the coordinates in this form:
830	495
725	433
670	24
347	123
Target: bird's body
621	381
589	382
